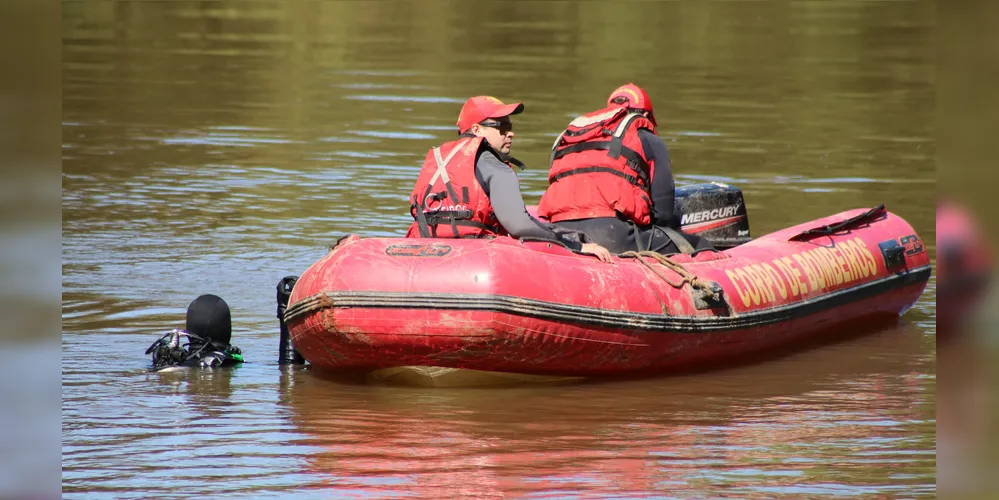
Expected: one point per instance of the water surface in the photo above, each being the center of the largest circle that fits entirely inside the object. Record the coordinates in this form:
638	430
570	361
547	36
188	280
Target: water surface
215	147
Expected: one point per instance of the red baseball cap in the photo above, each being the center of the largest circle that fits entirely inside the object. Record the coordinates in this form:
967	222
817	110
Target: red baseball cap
478	108
636	98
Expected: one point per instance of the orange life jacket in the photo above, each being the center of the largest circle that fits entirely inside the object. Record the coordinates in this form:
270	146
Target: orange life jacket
599	169
447	201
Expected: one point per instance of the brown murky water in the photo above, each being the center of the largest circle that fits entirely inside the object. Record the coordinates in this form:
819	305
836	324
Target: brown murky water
215	147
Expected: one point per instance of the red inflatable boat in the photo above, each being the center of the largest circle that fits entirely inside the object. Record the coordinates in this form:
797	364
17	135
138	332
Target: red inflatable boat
534	307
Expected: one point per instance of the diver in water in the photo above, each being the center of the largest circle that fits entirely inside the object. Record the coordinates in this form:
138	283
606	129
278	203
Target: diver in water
204	342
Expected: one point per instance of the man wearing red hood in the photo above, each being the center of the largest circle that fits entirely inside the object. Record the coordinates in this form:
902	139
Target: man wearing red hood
610	177
468	189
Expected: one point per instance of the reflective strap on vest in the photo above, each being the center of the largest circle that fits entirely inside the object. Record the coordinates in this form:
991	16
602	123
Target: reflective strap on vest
630	178
427	223
442	170
454	222
419	206
589	170
555	144
421	220
635	160
435	217
618	142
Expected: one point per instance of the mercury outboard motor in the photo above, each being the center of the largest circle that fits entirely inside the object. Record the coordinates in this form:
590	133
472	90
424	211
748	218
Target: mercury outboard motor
714	211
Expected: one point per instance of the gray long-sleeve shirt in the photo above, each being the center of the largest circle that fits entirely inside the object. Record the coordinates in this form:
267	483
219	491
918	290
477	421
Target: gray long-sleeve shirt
663	188
503	188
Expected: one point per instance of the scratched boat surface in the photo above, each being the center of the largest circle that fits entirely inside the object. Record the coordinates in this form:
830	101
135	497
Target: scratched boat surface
538	308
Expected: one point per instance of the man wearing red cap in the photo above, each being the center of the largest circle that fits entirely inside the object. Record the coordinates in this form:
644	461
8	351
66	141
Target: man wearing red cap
467	188
610	177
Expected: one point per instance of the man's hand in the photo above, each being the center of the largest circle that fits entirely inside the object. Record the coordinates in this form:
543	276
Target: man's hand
601	252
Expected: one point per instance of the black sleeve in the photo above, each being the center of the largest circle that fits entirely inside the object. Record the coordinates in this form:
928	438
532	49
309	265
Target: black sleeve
662	180
501	185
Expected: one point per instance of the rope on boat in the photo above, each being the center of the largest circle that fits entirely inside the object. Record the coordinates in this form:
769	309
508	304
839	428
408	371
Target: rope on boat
687	276
323	301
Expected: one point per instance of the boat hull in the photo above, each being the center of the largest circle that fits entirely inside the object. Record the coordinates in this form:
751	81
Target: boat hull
536	308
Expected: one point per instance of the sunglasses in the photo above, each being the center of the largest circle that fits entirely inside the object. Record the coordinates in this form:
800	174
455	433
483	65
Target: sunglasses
503	127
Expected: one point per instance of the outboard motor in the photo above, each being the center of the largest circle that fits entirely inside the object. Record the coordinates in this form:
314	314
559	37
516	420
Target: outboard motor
714	211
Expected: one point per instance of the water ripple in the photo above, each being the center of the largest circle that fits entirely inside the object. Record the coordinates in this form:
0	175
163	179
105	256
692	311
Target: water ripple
212	148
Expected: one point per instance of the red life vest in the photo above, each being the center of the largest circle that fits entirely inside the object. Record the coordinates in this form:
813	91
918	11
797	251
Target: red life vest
447	201
599	169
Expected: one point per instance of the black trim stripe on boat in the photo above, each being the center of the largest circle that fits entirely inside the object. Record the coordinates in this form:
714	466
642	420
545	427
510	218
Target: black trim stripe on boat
606	318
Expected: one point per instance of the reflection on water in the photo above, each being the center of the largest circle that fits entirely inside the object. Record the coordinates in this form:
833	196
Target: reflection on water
854	418
215	147
634	438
